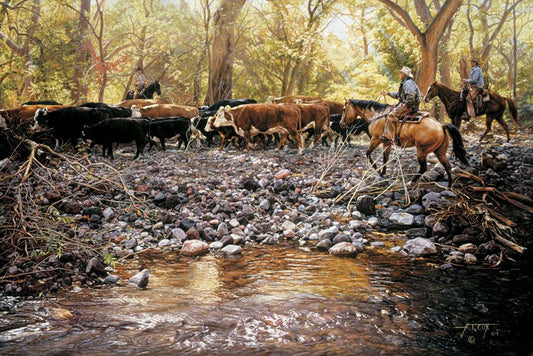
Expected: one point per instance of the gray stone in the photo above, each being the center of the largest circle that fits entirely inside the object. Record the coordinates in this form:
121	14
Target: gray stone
341	238
415	209
419	247
163	243
324	245
440	228
216	245
111	279
231	250
108	214
433	200
95	266
470	259
265	204
400	219
343	249
140	279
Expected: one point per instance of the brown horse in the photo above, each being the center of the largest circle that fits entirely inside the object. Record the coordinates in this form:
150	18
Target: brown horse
428	135
456	106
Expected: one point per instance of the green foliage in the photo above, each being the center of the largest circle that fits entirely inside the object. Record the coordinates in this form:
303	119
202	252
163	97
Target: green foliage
278	49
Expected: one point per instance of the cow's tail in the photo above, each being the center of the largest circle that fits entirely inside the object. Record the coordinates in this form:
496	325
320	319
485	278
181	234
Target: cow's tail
458	146
513	111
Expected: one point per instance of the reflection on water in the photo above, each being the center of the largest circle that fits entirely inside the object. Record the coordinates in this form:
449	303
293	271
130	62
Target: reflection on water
282	300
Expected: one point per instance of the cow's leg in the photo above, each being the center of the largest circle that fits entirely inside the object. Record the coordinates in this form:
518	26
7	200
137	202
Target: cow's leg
162	140
247	139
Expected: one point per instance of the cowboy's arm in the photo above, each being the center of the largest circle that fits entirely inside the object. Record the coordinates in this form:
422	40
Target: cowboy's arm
393	94
474	76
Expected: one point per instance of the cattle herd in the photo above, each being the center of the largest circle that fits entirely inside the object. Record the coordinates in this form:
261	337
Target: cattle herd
241	122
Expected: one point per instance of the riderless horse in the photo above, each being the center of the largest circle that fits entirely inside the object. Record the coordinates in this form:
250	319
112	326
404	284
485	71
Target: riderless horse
455	105
147	92
428	135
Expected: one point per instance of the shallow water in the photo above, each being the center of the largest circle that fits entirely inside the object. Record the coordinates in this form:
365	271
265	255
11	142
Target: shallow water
283	300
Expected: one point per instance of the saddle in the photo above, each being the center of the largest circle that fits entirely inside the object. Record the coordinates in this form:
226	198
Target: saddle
414	117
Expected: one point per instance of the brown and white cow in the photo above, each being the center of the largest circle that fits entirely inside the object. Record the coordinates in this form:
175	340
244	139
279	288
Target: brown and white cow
169	110
254	119
139	102
315	118
294	99
20	119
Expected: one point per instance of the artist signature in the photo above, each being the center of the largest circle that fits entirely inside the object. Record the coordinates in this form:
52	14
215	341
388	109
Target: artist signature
474	332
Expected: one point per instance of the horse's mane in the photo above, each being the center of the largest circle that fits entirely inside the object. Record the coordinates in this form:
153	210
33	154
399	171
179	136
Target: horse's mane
369	104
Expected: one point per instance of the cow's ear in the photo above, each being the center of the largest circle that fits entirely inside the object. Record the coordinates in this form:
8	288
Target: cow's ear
227	108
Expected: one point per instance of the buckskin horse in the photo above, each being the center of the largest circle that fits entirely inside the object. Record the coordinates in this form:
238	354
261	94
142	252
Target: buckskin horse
456	106
428	135
146	93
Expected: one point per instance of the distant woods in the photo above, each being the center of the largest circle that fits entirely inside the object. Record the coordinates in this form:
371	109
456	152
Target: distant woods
206	50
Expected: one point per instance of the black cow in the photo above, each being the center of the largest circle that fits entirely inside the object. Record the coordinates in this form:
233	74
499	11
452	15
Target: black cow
231	102
118	111
67	123
168	127
40	102
358	126
119	130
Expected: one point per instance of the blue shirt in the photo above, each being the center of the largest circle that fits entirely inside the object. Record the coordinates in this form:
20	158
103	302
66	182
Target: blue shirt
476	77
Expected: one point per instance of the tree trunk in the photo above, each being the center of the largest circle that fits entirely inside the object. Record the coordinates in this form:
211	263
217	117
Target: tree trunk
221	63
79	92
428	40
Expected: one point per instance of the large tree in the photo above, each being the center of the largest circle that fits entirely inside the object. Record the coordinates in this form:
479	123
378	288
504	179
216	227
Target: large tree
221	61
428	40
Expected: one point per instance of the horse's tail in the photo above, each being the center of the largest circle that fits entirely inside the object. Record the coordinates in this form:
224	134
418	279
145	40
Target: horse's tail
513	111
458	146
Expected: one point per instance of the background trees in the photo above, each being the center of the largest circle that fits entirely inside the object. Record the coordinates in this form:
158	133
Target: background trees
205	50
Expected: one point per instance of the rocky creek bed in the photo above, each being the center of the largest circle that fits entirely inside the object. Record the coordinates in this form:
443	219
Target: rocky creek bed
67	219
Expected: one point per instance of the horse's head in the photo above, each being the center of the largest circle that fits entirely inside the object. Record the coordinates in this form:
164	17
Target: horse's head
348	114
157	87
431	92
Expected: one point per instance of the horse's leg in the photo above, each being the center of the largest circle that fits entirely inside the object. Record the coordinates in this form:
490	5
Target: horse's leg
503	124
374	143
488	126
440	152
386	153
421	156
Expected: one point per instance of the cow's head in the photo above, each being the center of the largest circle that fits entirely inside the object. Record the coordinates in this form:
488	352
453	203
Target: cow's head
223	117
135	111
40	119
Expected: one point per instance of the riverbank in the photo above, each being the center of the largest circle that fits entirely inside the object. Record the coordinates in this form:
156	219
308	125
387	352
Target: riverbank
75	217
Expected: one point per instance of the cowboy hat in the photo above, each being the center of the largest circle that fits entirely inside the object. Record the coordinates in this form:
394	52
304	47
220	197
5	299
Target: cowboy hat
406	71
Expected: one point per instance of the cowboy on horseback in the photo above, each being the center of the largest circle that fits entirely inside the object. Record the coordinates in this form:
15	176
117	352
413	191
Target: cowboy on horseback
139	82
477	84
409	96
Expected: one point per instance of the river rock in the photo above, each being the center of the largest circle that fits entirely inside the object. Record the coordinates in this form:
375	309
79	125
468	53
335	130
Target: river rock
140	279
194	248
95	266
108	213
416	232
178	234
284	173
440	228
366	204
470	259
467	248
401	219
415	209
288	225
216	245
231	250
343	249
324	245
433	200
341	238
265	204
419	247
111	279
494	160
